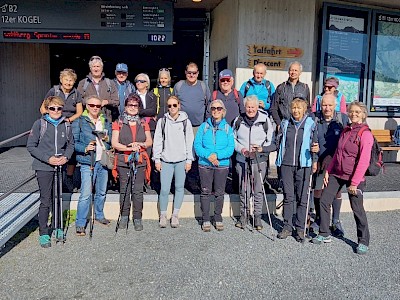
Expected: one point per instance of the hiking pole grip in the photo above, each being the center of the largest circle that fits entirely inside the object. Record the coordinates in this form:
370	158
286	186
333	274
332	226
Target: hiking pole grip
92	159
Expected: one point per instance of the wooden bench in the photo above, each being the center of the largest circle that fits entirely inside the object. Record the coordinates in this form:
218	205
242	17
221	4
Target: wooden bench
384	139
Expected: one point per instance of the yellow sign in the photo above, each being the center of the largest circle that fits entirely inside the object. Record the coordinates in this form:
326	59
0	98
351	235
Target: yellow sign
274	51
271	64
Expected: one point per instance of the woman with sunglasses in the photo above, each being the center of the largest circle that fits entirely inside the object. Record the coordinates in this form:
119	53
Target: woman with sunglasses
149	100
51	144
163	91
130	138
173	156
72	110
330	88
89	147
214	144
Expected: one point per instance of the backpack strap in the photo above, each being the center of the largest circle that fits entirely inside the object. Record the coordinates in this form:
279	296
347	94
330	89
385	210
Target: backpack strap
178	86
163	122
236	94
268	86
214	95
360	132
56	90
85	85
238	122
43	128
247	87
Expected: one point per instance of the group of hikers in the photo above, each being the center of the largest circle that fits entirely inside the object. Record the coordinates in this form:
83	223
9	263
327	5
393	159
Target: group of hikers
165	134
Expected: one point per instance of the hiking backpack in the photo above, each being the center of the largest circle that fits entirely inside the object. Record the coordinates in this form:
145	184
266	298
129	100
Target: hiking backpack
43	128
267	85
376	165
235	93
396	136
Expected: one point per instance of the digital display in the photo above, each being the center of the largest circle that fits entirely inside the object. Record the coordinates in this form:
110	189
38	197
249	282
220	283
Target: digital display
34	35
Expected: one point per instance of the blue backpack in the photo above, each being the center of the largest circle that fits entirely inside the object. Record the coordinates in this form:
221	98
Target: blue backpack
396	136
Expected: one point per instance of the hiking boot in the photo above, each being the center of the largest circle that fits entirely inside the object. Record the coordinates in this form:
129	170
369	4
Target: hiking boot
206	226
80	231
219	226
45	241
300	236
257	223
362	249
321	239
59	235
174	221
103	221
163	221
337	229
314	227
284	234
123	222
241	223
137	224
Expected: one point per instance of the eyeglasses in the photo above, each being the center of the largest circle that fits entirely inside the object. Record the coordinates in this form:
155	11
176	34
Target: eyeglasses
328	87
192	72
95	57
224	80
133	105
172	105
94	105
163	70
140	81
55	108
218	108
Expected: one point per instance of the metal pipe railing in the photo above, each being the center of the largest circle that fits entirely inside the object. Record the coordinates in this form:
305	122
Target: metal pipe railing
16	187
14	138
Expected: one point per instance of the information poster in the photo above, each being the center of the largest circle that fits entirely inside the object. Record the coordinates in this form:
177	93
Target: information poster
96	22
386	75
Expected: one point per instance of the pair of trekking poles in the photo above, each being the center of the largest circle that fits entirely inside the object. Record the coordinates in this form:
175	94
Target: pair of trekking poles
249	199
58	206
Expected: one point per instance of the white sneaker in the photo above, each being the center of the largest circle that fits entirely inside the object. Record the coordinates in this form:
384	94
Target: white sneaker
163	221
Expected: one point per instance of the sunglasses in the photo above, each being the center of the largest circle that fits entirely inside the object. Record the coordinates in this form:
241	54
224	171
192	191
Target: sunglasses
95	57
219	108
224	80
140	81
328	87
55	108
133	105
192	72
172	105
94	105
163	70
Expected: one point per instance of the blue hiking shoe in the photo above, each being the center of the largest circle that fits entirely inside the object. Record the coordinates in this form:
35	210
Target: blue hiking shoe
362	249
314	227
45	241
337	229
319	239
59	235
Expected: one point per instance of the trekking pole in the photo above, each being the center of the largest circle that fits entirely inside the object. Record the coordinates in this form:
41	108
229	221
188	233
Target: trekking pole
55	199
246	198
265	196
306	233
251	179
91	220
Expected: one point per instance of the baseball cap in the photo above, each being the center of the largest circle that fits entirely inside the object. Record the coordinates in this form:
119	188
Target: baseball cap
225	74
121	68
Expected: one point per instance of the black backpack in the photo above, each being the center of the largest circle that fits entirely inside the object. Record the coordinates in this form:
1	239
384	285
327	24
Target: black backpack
376	165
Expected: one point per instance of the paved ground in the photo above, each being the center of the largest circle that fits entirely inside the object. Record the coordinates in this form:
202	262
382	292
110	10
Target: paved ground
186	263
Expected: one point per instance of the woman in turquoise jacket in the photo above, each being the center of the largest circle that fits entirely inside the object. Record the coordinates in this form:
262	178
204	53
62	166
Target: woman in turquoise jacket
214	144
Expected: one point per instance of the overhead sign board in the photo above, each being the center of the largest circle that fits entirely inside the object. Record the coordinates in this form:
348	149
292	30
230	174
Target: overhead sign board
87	21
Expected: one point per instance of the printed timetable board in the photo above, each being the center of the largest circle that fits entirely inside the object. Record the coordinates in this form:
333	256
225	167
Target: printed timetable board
87	21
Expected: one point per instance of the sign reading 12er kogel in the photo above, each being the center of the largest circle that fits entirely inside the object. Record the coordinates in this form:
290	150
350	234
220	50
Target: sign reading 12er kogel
89	22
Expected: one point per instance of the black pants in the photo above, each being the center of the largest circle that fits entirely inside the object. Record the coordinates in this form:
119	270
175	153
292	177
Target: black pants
46	185
295	188
128	193
356	202
209	177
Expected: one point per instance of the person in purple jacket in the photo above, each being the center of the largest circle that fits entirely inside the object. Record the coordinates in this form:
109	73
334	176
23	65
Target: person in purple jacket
348	167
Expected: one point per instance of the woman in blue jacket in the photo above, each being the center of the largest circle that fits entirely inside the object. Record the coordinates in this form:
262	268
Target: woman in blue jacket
214	144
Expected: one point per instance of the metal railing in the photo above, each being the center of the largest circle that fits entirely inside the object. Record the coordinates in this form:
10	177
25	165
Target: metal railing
14	138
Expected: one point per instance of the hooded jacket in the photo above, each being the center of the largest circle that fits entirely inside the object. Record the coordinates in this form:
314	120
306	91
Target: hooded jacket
174	145
214	139
55	140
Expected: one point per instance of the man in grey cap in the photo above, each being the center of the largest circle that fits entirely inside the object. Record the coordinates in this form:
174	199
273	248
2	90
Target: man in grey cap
124	86
231	97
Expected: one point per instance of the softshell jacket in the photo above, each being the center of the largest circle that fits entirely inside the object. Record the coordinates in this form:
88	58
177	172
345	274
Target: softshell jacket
247	135
174	145
218	140
352	156
106	92
55	140
82	128
306	157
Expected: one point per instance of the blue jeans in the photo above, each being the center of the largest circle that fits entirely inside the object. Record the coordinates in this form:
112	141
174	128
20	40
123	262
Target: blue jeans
100	178
168	170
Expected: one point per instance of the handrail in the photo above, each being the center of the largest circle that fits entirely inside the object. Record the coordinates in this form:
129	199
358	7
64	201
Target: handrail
5	195
14	138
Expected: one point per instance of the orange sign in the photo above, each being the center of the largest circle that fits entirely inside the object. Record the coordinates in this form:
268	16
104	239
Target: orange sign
271	64
274	51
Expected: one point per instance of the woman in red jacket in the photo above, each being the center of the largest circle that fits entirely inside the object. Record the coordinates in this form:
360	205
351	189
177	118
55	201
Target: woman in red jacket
348	167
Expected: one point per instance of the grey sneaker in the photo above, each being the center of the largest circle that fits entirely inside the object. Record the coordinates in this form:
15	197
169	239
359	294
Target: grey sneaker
206	226
174	221
123	222
163	221
137	223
